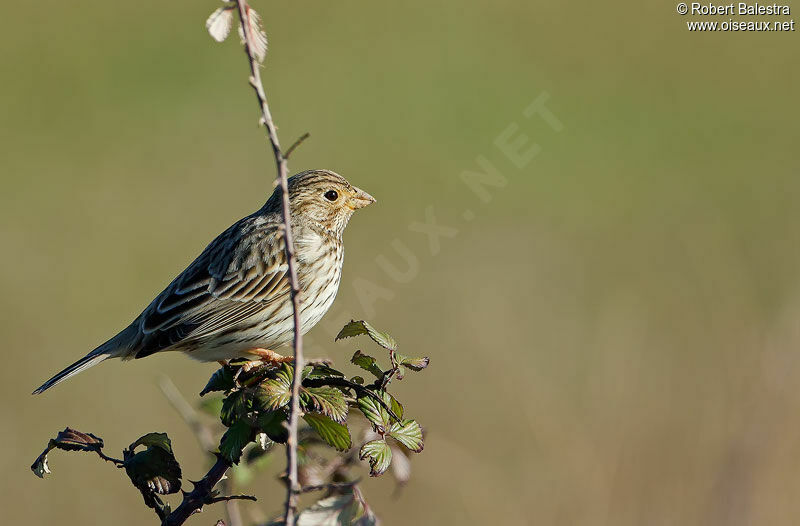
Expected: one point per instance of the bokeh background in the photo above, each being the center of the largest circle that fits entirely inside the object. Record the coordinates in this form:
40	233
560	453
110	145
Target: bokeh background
614	335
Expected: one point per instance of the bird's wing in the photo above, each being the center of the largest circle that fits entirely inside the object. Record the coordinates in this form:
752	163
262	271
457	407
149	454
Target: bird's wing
233	279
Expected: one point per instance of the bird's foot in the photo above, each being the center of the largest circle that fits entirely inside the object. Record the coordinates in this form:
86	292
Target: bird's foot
266	356
271	359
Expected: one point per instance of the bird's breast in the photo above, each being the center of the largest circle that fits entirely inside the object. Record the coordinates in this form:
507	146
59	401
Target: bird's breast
319	273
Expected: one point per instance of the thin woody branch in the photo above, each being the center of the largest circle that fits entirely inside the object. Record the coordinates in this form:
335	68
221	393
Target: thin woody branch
297	143
293	486
205	438
117	462
202	494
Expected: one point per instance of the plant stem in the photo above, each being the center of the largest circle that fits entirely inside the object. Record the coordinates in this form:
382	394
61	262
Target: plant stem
293	486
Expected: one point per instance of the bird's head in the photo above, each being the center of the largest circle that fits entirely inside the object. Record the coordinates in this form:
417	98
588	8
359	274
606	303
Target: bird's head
322	197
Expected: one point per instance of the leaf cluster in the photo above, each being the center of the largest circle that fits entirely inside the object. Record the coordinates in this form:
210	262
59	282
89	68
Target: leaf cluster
255	403
153	470
253	407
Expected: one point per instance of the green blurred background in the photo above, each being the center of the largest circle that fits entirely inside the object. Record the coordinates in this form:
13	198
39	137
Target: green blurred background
614	336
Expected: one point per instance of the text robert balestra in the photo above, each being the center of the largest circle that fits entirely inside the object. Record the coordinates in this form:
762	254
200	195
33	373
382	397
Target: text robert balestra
742	8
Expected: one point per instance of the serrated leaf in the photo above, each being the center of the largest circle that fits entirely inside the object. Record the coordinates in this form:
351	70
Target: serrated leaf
273	424
155	469
220	22
335	434
407	433
374	412
74	440
368	363
415	364
68	440
356	328
321	371
235	440
378	454
377	413
236	405
346	509
153	440
394	404
276	392
221	380
326	400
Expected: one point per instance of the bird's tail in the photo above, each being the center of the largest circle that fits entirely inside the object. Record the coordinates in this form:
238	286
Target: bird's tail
116	347
93	358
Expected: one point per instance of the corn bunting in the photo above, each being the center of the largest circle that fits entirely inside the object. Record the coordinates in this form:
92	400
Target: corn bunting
234	299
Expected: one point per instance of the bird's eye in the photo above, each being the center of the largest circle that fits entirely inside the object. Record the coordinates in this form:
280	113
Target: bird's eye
331	195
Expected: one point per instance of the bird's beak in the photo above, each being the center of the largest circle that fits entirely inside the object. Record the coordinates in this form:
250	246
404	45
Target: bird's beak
360	199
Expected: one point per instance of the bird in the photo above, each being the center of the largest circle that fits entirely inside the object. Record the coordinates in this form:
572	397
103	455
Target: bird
234	299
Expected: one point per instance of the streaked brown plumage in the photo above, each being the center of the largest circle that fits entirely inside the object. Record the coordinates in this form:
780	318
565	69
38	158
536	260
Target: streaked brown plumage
235	297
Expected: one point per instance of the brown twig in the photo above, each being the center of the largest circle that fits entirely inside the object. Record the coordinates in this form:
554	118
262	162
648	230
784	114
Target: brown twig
205	438
201	494
297	143
293	486
117	462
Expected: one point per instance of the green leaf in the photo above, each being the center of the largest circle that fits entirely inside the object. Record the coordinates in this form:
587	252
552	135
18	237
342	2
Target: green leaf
236	405
276	392
154	470
235	440
326	400
357	380
378	454
367	363
273	424
356	328
346	509
221	380
407	433
394	404
415	364
334	433
321	371
373	411
153	440
68	440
